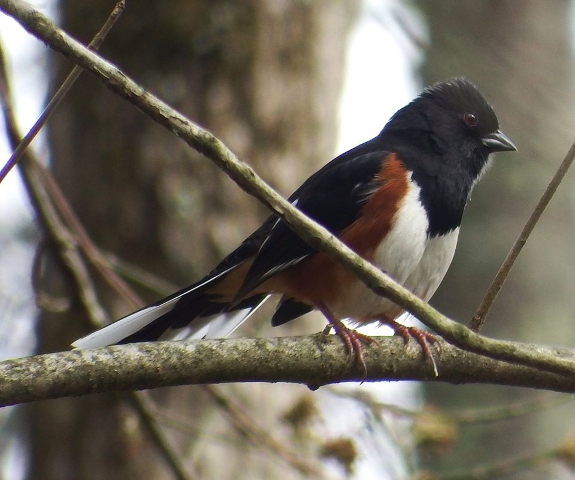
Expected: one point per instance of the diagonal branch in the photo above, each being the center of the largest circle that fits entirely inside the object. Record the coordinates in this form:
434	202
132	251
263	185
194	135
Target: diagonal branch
317	236
61	93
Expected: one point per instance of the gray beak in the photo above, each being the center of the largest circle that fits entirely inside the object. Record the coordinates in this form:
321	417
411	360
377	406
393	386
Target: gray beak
498	142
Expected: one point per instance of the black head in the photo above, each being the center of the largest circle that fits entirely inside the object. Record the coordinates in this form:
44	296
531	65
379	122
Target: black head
453	119
445	137
461	105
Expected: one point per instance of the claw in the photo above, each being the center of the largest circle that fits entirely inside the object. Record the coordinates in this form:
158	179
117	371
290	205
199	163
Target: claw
352	339
423	338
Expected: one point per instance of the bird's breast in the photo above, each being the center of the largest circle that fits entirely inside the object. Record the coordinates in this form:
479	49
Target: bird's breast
408	255
392	233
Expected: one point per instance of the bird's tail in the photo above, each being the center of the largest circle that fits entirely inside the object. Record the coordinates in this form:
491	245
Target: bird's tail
191	313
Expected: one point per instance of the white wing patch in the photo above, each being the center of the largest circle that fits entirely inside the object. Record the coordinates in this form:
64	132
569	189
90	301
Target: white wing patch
117	331
215	326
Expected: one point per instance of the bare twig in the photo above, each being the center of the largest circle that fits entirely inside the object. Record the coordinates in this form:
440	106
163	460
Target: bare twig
467	416
61	93
52	223
51	186
92	253
247	426
504	412
139	276
140	405
74	262
479	318
499	469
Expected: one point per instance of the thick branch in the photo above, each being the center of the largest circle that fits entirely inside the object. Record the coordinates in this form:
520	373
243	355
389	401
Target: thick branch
313	360
246	178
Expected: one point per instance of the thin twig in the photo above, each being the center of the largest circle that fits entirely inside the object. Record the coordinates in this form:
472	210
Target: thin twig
505	412
140	404
467	416
61	93
92	253
51	186
500	469
75	264
139	276
247	426
479	318
62	238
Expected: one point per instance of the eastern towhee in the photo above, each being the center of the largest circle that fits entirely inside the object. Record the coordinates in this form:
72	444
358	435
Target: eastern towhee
397	200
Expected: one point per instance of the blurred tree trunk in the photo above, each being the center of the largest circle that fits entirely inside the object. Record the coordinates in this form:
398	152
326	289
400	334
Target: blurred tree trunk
265	77
521	56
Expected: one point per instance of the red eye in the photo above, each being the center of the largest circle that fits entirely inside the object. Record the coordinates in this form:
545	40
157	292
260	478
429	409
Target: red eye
470	119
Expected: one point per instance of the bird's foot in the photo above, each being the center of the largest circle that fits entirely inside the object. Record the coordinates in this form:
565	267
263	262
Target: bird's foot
423	338
351	338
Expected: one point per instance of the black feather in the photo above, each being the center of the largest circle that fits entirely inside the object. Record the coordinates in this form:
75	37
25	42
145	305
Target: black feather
289	309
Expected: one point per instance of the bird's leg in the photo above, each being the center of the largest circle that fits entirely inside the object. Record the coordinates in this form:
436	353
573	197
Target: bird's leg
423	338
352	339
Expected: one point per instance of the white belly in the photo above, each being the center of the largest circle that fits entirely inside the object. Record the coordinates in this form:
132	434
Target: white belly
411	258
426	277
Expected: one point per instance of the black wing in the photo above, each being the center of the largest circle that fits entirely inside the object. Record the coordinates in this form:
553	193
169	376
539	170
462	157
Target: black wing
332	197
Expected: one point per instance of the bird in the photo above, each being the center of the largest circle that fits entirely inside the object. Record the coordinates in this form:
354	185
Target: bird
397	200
